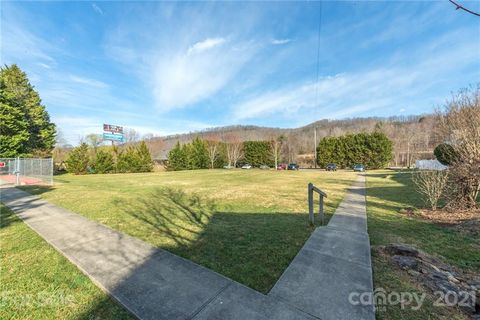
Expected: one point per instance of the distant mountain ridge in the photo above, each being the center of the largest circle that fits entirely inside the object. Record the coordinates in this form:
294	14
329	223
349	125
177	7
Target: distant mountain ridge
413	136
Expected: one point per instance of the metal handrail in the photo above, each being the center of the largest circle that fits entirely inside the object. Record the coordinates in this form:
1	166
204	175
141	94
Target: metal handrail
311	189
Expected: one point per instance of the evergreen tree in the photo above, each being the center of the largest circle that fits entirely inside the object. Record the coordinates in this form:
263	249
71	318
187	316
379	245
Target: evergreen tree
198	154
176	158
373	150
144	158
25	126
128	160
258	153
78	160
445	154
104	161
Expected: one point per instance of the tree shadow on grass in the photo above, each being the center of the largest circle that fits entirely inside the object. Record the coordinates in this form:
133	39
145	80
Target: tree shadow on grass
251	248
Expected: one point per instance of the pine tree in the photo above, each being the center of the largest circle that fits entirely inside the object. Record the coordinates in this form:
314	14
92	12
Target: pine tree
128	160
199	154
104	161
25	125
78	160
144	158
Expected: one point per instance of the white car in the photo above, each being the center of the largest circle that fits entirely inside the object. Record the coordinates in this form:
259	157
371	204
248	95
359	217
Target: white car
228	167
247	166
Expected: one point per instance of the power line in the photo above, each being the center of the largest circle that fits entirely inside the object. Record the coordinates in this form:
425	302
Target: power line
460	7
317	79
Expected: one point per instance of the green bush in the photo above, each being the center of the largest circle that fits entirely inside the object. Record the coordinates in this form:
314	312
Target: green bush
145	162
104	162
373	150
78	160
198	154
258	153
128	160
445	154
188	156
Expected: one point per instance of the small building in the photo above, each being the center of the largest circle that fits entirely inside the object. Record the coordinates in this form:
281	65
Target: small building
429	165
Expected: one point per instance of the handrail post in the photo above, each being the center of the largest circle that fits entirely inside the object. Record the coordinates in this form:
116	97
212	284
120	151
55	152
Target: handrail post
322	214
310	203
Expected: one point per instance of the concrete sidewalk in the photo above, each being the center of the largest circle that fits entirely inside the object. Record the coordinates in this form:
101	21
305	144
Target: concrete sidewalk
334	263
151	283
155	284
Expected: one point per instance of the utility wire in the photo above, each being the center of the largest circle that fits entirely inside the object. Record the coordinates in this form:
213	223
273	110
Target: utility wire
459	6
318	52
317	79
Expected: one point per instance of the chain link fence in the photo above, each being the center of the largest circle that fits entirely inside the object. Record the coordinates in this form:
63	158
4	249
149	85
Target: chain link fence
26	171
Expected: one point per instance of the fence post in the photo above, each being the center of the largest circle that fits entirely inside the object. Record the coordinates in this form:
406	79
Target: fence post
17	171
310	203
322	214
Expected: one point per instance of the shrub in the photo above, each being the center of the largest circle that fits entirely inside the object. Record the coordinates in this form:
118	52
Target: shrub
189	156
78	160
128	160
431	185
373	150
459	125
258	153
445	154
145	163
104	162
198	154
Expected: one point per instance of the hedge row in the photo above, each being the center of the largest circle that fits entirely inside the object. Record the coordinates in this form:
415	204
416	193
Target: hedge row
373	150
109	160
195	155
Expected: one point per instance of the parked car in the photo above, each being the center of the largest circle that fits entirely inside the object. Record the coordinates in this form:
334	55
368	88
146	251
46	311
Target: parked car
247	166
228	167
292	166
264	167
282	166
359	167
331	167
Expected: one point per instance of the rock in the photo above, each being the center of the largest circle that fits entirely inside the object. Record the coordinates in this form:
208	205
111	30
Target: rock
413	273
406	262
401	249
451	278
438	275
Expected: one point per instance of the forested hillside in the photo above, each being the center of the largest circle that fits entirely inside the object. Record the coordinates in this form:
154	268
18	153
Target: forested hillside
413	137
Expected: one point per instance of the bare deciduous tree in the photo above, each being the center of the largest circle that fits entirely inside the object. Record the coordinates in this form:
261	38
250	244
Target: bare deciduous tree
234	149
130	135
459	125
431	185
94	140
213	144
276	144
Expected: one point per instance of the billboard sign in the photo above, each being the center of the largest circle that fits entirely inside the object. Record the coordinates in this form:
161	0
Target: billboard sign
112	132
112	128
113	137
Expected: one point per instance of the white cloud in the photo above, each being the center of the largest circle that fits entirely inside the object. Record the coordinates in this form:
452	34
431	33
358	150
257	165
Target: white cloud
97	9
182	79
280	41
206	44
88	81
350	94
44	65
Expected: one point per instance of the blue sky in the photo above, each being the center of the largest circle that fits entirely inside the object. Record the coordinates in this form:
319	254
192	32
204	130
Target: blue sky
174	67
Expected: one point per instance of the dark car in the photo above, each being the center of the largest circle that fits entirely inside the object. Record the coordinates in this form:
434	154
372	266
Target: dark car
282	166
359	167
292	166
331	167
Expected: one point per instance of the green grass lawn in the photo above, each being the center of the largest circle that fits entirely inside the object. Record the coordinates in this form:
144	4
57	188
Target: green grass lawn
245	224
387	193
37	282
